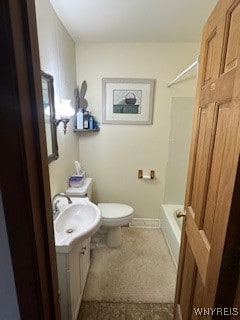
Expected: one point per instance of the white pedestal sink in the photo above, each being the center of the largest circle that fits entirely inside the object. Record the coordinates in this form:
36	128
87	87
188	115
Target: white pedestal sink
73	227
75	223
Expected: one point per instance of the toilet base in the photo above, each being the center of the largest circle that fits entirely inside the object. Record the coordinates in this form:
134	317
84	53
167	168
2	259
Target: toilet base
114	237
107	237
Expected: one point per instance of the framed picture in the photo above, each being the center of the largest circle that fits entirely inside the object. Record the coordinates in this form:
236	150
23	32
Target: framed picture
127	101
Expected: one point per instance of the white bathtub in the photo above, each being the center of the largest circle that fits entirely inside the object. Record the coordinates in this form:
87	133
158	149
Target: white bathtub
171	227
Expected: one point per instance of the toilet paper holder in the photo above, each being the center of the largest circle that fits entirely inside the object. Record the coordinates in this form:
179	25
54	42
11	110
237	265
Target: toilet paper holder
147	177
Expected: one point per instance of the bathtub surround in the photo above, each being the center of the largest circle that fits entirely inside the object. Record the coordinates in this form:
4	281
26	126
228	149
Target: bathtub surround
179	146
114	156
57	57
141	270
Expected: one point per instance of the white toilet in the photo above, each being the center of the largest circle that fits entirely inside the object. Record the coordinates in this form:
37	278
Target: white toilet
114	215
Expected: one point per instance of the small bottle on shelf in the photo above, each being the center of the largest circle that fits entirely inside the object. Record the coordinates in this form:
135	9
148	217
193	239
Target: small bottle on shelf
90	122
80	119
86	120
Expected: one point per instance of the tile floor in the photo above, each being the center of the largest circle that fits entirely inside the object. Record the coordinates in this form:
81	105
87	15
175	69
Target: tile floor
125	311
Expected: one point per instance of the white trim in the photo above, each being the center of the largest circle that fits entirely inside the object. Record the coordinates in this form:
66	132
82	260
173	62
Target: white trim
145	223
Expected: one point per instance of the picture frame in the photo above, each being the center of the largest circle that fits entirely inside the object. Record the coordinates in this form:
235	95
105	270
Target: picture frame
127	101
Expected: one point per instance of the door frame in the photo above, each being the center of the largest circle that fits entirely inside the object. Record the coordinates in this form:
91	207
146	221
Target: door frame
24	164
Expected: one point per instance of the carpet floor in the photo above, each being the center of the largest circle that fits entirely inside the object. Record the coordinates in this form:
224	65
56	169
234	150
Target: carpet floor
125	311
141	270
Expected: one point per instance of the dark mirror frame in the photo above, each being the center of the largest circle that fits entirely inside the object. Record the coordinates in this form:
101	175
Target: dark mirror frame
49	78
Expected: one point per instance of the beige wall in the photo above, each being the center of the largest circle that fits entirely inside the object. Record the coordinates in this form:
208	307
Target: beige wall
114	155
57	57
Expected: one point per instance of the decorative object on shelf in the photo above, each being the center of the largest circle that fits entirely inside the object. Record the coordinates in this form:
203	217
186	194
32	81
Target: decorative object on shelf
82	101
127	101
85	121
81	105
146	177
64	112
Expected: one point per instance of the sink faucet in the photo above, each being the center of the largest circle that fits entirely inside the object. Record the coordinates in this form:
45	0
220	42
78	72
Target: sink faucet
55	202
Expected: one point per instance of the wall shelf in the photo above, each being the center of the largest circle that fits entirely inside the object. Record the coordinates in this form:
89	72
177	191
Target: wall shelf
86	130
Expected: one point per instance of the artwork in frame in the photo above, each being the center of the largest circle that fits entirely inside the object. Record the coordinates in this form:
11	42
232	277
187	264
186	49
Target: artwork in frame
127	101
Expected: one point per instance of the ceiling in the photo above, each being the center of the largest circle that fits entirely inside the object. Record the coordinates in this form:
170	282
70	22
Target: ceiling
134	20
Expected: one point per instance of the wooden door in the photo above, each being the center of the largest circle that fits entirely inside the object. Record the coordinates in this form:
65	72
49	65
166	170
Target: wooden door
213	164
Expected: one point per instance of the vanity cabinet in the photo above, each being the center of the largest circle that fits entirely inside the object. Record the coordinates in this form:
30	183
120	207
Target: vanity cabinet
72	274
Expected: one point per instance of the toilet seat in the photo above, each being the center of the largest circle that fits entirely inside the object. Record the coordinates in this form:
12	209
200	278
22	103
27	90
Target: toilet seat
115	210
115	214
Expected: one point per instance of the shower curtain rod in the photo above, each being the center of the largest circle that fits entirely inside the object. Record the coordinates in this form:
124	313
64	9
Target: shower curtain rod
193	65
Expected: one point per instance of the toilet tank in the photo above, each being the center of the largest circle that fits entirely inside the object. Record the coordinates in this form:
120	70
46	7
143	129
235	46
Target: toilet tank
84	190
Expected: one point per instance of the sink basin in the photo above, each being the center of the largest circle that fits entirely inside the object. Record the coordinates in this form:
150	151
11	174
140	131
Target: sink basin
75	223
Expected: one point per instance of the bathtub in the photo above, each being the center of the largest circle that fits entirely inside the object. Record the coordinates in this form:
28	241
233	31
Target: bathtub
171	227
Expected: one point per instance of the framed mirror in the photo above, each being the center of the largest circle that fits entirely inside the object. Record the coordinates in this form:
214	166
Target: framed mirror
49	116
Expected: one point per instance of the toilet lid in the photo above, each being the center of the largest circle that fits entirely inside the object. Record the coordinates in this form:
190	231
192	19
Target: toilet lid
114	210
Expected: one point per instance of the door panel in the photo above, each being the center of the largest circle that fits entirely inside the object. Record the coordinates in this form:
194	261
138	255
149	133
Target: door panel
220	143
229	159
199	244
213	162
209	61
233	42
206	119
198	295
188	278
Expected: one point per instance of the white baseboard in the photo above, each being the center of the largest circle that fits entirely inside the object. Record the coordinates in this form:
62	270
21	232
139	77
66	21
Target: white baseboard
145	223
